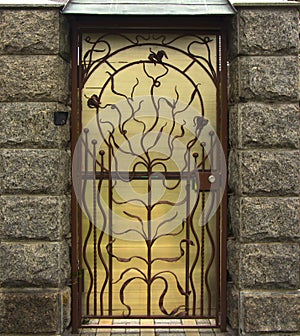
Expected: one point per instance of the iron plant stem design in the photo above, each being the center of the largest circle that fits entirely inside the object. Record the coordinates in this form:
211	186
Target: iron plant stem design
118	141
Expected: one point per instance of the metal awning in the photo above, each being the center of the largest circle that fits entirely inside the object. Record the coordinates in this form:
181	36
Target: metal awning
149	7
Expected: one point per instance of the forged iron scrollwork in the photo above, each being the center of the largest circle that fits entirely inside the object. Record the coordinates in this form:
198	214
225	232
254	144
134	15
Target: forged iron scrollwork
151	142
100	51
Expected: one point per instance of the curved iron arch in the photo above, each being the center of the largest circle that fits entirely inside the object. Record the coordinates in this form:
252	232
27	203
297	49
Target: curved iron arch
104	59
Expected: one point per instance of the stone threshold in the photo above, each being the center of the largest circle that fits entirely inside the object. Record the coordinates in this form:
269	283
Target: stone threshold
156	331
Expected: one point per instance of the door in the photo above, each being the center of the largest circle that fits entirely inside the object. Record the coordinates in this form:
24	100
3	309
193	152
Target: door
149	174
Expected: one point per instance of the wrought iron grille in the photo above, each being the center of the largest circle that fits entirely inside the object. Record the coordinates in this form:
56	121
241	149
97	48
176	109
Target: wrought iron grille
149	173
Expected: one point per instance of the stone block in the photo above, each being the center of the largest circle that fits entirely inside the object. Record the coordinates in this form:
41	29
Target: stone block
262	173
234	172
270	312
267	79
34	217
234	124
29	312
42	32
234	217
233	47
252	36
34	264
232	306
64	37
65	308
31	125
267	265
26	171
233	261
259	125
258	219
35	78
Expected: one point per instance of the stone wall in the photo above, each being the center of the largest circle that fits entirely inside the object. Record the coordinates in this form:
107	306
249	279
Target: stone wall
263	251
34	171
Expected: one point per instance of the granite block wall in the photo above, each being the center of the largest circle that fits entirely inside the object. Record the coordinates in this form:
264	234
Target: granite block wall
34	172
263	249
35	165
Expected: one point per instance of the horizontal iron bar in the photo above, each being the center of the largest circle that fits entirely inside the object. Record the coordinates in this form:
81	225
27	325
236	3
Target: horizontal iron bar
203	177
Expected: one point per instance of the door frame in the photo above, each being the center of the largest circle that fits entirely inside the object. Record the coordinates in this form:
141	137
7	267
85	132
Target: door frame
218	24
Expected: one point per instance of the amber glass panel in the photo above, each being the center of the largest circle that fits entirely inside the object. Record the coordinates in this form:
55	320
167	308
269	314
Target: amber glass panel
147	247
